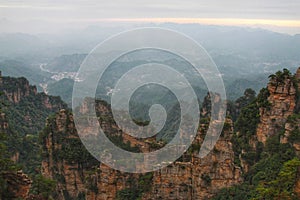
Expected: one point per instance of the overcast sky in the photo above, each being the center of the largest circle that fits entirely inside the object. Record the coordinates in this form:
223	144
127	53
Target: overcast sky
17	15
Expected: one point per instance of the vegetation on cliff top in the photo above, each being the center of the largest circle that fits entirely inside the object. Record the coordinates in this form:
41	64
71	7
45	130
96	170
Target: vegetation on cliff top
273	168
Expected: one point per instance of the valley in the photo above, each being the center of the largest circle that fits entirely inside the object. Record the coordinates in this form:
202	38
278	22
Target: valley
264	129
256	157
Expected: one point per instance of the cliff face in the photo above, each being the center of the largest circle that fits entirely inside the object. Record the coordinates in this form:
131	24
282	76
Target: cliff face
198	178
50	166
18	185
268	115
282	103
25	108
23	114
188	178
291	127
16	88
15	184
78	176
26	111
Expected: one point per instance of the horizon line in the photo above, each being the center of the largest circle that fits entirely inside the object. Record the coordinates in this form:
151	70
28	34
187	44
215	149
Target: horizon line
211	21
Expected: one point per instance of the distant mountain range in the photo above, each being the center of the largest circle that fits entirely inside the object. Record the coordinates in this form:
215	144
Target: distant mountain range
244	56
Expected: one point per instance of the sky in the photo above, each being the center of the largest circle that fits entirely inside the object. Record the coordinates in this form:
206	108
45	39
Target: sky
57	15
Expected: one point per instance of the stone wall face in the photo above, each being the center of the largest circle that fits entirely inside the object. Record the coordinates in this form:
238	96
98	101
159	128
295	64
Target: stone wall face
193	178
282	101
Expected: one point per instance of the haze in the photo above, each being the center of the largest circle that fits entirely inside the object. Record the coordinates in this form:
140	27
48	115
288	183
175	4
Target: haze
34	16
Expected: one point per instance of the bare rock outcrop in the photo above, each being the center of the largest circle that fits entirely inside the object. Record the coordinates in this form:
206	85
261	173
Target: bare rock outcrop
282	103
18	185
188	178
198	178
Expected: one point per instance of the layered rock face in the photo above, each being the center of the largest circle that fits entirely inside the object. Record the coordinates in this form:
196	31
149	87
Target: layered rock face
22	116
198	178
78	176
25	107
18	185
282	100
282	114
275	105
290	126
25	110
188	178
16	88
